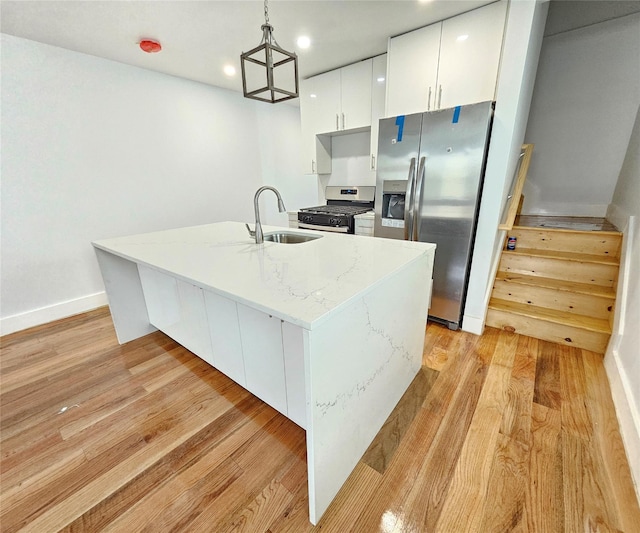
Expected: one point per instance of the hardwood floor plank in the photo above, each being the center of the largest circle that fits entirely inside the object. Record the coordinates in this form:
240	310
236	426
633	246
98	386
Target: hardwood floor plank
275	442
261	512
544	495
575	414
386	504
295	518
219	438
423	504
516	420
514	434
507	487
547	385
160	443
360	486
607	447
381	450
466	497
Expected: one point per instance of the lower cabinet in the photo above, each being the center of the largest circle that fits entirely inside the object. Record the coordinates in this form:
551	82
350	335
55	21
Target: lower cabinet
224	330
177	309
262	353
263	356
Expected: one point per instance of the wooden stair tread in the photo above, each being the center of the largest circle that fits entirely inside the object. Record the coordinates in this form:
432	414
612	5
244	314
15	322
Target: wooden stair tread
566	230
558	284
566	256
597	325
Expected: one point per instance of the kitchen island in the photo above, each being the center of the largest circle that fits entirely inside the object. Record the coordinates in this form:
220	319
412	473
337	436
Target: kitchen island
329	332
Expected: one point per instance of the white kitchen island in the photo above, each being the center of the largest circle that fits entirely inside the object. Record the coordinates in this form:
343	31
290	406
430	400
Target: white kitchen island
329	332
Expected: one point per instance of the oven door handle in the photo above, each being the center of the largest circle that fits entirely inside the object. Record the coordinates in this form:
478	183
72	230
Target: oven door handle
304	225
408	201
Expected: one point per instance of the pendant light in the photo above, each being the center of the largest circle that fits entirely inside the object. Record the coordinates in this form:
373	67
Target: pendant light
269	73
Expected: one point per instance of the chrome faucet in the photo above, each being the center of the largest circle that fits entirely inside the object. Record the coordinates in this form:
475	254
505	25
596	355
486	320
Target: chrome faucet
257	233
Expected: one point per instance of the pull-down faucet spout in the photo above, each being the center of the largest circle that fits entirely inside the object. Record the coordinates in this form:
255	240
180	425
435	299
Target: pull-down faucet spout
257	233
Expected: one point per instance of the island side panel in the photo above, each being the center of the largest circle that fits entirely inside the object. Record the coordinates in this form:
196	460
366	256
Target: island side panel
357	366
126	300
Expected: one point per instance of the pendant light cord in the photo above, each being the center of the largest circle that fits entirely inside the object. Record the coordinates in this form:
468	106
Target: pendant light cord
266	12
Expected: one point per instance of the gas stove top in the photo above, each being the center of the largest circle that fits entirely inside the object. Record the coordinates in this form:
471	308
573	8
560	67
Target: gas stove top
343	203
336	210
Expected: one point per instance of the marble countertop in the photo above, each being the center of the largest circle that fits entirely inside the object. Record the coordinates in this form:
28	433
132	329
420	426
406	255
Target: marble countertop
300	283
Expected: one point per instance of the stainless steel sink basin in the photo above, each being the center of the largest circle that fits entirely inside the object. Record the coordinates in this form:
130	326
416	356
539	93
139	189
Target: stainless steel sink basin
289	238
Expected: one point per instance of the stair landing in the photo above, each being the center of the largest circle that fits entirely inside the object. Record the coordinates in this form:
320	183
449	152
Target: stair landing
570	223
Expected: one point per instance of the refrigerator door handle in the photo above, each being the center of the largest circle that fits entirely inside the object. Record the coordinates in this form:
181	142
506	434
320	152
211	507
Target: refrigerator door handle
417	194
408	201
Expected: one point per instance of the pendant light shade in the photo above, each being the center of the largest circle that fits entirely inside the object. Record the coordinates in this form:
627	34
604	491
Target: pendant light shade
269	73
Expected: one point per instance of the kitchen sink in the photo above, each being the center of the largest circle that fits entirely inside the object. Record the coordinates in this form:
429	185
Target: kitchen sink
290	238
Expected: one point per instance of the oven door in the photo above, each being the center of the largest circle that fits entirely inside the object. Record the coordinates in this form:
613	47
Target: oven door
318	227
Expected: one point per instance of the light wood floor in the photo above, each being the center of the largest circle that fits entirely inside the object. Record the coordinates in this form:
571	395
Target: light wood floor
497	433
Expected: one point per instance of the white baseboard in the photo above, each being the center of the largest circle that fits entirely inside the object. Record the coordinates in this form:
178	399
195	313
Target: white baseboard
43	315
472	324
566	210
627	414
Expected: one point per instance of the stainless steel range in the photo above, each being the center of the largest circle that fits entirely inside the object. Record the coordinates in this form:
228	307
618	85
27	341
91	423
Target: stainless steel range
343	204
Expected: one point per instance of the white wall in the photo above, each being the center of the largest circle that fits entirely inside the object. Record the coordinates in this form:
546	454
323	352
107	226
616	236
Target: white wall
521	49
586	93
92	148
350	162
622	359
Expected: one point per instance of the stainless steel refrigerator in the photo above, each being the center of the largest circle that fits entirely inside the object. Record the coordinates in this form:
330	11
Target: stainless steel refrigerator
429	182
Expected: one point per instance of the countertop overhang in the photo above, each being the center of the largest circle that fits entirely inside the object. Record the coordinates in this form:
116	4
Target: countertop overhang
300	283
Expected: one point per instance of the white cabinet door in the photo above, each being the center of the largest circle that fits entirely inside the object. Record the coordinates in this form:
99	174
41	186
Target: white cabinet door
263	356
378	93
413	71
470	56
177	309
224	329
293	349
355	84
321	102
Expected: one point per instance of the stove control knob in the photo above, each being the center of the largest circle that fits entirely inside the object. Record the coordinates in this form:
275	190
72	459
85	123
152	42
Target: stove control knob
334	221
307	218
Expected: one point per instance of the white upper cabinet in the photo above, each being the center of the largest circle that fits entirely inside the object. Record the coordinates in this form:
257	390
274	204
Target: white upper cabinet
378	95
321	101
355	89
332	102
470	56
338	100
413	71
454	62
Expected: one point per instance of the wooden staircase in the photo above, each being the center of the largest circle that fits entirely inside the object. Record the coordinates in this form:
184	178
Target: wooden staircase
558	285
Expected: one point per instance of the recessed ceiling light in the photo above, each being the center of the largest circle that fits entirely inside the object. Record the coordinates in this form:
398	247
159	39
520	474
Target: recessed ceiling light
303	41
462	37
380	79
229	70
312	96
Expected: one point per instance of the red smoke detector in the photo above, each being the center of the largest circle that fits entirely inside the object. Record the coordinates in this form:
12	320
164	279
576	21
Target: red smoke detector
150	46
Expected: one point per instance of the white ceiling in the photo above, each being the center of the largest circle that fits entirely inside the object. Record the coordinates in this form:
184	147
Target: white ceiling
200	37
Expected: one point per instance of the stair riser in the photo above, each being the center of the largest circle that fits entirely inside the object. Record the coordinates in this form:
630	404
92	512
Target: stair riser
569	302
541	329
592	273
596	243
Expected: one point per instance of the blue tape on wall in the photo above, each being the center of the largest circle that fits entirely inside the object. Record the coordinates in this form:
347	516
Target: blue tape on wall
456	115
400	124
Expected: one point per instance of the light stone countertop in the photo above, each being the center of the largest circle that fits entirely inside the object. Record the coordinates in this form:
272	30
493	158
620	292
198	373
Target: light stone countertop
302	283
